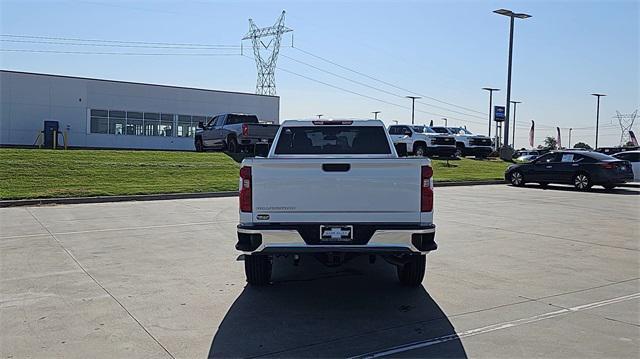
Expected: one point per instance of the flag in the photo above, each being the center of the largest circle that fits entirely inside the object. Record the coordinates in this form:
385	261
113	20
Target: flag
431	123
531	137
558	139
634	140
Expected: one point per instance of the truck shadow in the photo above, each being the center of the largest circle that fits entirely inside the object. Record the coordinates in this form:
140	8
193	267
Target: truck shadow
312	310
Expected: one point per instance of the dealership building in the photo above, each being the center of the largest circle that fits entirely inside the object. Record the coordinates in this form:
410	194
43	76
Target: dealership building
96	113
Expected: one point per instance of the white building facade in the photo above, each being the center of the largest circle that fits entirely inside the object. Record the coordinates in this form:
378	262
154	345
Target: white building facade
97	113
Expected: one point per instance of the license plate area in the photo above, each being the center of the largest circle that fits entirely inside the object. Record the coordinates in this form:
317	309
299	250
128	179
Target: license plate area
336	233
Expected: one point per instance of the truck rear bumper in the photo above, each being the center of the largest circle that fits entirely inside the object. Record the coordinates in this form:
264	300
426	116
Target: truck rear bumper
368	238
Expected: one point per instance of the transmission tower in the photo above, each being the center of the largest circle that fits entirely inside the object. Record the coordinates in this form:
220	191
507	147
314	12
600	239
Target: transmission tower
626	123
266	54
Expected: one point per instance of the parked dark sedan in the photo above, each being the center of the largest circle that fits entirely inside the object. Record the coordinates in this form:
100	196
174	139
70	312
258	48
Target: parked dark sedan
580	168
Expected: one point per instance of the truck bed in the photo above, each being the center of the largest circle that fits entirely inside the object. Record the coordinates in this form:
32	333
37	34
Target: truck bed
337	190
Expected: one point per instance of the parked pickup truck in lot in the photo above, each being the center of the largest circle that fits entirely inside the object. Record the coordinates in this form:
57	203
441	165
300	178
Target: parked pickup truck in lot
336	189
423	141
234	132
468	144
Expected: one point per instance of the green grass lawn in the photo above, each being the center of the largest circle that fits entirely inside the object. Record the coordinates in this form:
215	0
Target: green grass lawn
27	173
468	170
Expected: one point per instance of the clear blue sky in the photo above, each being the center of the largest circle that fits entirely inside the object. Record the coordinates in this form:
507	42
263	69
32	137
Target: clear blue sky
448	50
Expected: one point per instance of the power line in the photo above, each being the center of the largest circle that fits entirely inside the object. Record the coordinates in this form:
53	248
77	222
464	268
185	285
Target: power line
114	53
365	96
373	87
387	83
115	41
217	47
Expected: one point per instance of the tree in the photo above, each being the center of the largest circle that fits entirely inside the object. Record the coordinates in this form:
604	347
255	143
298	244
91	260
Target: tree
550	143
582	145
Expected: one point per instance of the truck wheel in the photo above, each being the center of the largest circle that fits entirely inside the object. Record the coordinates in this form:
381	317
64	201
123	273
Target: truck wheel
459	151
232	145
199	145
412	273
257	269
419	150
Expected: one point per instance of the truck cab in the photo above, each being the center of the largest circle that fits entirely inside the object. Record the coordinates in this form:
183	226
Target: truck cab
467	143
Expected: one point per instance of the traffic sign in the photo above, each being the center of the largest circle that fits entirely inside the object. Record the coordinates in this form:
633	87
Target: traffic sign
498	113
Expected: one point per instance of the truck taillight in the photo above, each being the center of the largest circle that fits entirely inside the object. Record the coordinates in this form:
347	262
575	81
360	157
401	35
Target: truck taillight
426	192
245	129
245	189
607	165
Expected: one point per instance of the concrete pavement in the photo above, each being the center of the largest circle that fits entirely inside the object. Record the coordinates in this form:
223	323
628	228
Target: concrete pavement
520	272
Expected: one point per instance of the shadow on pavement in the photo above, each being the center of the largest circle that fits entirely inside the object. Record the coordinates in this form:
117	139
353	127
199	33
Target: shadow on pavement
595	189
312	310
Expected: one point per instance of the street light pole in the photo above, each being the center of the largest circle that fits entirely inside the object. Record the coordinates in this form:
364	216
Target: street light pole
413	107
319	115
490	105
375	113
445	121
515	106
512	17
570	129
598	95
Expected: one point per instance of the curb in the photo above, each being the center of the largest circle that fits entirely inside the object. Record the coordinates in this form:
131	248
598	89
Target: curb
105	199
169	196
467	183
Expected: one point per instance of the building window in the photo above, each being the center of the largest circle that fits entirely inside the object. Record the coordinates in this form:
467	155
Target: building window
117	122
99	121
166	125
133	123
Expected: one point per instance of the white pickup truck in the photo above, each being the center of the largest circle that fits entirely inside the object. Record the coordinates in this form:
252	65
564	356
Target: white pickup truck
336	189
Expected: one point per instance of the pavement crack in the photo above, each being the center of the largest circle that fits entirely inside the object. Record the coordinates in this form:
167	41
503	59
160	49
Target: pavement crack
99	284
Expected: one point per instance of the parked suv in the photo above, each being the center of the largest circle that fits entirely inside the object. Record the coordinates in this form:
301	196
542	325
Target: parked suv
423	141
234	132
468	144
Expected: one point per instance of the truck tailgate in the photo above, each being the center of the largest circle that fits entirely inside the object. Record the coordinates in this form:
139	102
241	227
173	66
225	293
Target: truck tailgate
336	190
262	130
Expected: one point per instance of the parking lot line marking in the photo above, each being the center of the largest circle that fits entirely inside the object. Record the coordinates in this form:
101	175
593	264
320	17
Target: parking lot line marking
495	327
100	285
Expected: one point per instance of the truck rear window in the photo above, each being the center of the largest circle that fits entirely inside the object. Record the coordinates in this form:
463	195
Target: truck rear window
334	140
234	119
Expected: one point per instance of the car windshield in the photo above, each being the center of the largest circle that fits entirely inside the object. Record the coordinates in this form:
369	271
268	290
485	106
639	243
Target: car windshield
440	130
599	156
460	130
349	140
423	129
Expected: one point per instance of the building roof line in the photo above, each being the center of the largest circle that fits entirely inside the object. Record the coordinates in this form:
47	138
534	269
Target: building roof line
132	83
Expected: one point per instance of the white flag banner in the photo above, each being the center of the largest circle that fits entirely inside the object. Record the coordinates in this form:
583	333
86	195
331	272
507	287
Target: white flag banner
531	133
559	139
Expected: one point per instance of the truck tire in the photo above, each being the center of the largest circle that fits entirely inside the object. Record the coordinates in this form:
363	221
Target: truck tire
419	150
232	145
459	150
199	145
257	269
411	273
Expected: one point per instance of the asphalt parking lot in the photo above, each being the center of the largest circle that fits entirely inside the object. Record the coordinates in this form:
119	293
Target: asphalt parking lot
520	272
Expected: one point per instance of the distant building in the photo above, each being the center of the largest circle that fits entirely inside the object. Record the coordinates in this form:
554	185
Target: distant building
99	113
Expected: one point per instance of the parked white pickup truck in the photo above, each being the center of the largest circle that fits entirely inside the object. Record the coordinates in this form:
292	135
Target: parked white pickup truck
468	144
423	141
336	189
